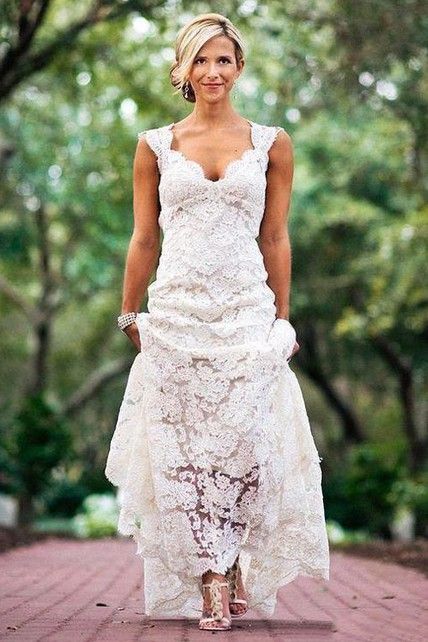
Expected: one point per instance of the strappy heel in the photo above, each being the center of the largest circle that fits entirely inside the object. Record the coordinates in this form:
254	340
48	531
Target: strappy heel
214	619
232	577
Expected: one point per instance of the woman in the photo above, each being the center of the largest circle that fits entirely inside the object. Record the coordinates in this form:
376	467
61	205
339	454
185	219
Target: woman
219	476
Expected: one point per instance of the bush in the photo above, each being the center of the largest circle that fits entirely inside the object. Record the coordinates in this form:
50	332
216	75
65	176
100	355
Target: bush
99	516
338	535
37	441
413	494
359	495
64	498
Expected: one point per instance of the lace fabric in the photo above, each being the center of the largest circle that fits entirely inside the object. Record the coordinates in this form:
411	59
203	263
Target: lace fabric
212	452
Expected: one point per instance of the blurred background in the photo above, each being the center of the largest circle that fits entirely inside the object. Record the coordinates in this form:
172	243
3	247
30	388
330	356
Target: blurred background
348	81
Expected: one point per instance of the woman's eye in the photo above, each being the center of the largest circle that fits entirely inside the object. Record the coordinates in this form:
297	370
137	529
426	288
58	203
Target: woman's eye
202	60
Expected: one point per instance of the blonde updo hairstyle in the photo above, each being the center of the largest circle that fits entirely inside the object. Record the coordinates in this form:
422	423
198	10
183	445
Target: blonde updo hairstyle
189	41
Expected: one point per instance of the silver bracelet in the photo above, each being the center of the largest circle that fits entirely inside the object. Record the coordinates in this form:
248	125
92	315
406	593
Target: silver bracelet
124	320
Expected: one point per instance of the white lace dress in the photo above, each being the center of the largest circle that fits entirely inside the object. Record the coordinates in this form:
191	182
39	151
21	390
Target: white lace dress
213	452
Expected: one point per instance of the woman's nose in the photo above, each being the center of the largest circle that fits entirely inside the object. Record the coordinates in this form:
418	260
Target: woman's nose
212	70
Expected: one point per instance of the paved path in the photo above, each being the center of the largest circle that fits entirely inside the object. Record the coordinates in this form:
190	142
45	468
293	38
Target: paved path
90	591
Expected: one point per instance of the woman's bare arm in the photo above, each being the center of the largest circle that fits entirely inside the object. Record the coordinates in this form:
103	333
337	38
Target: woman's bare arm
143	250
274	240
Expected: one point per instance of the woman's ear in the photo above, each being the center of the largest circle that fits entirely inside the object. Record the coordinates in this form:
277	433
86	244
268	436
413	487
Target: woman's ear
240	68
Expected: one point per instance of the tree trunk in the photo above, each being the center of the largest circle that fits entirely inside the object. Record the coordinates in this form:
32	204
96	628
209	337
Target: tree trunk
44	307
401	368
313	368
25	511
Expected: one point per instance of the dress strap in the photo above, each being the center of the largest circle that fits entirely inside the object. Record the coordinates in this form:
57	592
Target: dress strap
266	136
156	139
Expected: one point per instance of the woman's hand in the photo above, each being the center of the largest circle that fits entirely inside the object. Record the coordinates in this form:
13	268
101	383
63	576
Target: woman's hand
132	333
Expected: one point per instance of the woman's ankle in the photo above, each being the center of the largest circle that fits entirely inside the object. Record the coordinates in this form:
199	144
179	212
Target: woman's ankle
210	575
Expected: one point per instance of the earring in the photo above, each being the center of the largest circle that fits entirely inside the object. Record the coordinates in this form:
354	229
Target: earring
186	89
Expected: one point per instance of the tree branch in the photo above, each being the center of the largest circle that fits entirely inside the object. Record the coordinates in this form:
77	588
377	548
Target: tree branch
16	68
17	299
27	29
313	368
401	367
96	380
44	306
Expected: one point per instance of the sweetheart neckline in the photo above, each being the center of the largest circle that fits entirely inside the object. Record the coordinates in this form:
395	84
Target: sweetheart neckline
234	161
199	167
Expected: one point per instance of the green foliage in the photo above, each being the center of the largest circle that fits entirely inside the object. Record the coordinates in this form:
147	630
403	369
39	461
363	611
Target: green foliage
412	493
99	516
348	82
369	487
54	525
38	440
63	498
393	273
338	535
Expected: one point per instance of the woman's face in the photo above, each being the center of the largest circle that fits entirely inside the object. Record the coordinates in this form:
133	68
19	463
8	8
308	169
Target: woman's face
214	69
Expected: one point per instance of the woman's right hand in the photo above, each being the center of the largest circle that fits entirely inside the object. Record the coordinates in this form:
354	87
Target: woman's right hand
132	333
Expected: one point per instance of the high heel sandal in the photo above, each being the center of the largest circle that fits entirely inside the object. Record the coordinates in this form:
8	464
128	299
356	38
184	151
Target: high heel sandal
215	614
232	576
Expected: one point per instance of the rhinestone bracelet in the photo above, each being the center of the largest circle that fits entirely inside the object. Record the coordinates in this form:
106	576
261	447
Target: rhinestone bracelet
123	320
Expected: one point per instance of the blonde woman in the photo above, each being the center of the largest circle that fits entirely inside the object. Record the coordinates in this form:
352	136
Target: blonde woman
218	473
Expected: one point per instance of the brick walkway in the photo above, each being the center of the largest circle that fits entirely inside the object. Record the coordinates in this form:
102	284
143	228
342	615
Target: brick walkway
69	591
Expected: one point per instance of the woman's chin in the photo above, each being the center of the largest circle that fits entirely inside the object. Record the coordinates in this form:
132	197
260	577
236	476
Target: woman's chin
212	96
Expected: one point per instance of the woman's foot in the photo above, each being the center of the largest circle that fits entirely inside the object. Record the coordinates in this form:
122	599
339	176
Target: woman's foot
215	609
237	597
